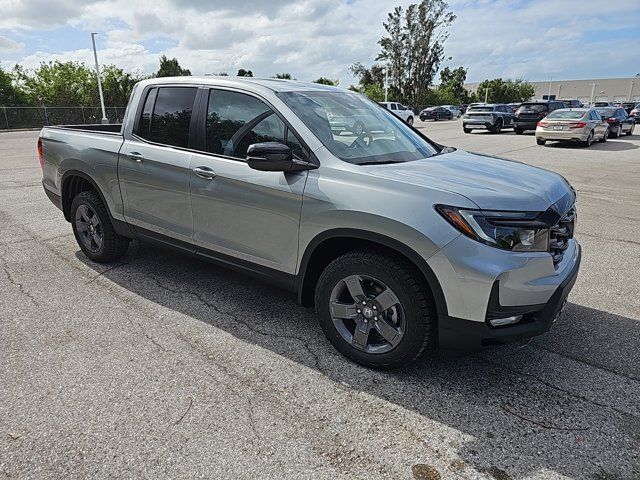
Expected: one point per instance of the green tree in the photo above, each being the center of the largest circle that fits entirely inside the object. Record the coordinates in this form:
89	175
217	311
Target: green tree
368	76
283	76
451	85
57	83
505	91
244	73
327	81
10	94
414	47
171	68
116	86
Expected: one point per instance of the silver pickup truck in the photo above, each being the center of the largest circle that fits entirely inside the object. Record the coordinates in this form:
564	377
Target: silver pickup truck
401	245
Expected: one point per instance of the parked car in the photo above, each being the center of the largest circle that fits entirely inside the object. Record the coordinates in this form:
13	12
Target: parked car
400	110
602	104
583	125
572	103
514	106
454	109
436	113
352	121
491	117
619	122
635	112
530	113
628	106
401	244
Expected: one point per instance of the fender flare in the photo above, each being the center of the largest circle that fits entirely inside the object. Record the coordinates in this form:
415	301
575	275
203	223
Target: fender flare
388	242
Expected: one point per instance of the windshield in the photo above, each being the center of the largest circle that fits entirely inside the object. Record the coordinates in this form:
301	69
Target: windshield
481	109
606	112
533	108
366	133
570	114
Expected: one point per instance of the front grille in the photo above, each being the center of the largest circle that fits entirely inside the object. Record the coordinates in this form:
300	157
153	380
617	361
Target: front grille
560	234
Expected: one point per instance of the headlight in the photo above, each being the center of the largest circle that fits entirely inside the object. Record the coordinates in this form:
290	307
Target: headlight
515	231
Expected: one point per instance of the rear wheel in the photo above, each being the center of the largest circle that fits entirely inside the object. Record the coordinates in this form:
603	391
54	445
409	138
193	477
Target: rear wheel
410	120
618	132
539	141
589	140
605	137
374	309
93	229
518	131
630	132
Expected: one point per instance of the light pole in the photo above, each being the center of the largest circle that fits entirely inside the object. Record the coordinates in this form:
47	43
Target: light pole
631	90
95	57
386	82
549	94
486	94
593	91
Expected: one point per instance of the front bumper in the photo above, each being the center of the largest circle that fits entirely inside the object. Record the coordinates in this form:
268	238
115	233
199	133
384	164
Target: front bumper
462	334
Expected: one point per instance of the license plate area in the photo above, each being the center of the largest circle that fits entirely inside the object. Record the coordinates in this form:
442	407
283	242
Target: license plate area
558	127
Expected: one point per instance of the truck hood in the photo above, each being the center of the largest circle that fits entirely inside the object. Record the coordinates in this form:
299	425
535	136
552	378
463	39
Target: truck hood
491	183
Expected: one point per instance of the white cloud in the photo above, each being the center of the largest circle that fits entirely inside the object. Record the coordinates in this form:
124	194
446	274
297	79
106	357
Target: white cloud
10	46
310	38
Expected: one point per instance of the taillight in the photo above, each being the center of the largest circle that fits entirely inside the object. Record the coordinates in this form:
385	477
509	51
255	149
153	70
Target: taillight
577	125
611	120
40	154
542	124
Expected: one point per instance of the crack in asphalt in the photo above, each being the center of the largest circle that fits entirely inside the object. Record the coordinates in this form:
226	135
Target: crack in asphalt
14	282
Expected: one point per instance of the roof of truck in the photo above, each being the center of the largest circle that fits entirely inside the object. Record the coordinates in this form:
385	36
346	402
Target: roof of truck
273	84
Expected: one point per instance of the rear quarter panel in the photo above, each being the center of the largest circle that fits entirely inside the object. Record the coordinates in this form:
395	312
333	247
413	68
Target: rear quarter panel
94	154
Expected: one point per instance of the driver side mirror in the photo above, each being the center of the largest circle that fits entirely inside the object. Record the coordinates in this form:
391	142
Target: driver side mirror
274	157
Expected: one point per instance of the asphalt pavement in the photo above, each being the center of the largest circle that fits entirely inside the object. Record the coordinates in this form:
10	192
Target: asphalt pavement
162	366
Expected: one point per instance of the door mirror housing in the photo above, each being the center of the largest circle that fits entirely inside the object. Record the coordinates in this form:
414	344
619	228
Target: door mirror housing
274	157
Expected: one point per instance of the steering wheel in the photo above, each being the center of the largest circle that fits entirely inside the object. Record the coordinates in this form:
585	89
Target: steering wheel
359	141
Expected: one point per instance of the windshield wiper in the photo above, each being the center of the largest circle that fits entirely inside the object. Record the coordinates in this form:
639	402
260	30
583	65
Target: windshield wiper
382	162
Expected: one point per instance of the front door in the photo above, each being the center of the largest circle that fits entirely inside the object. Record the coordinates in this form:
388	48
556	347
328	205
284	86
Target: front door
153	166
237	211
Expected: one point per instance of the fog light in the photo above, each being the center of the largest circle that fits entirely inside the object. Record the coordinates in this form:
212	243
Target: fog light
499	322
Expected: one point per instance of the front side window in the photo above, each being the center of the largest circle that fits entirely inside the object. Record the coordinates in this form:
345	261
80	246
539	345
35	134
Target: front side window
171	116
237	120
382	137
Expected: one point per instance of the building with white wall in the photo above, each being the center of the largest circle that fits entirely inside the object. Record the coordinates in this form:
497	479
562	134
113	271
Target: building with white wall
602	89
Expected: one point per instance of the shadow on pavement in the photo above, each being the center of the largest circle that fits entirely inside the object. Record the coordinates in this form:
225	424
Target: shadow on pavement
567	402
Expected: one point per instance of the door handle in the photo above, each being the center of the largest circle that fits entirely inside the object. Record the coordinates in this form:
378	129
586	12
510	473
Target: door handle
137	156
204	172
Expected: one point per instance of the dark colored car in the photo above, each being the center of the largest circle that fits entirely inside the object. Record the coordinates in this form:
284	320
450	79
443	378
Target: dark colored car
628	106
514	106
635	112
602	104
619	122
572	103
530	113
492	117
436	113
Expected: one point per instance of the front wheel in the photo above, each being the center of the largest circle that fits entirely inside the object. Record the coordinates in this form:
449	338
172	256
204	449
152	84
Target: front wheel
374	309
93	229
466	130
410	120
497	128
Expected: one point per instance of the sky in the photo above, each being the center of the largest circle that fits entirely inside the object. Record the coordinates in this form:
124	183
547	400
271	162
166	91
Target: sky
535	40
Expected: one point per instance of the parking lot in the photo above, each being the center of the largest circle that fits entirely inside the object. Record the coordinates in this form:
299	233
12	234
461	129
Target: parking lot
162	366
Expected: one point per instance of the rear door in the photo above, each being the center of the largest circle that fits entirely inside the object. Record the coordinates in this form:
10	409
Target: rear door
239	212
153	168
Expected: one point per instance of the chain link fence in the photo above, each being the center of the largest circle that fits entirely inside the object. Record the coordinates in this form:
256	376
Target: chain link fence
38	117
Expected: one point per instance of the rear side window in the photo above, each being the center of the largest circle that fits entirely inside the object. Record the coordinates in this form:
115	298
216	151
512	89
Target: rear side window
142	129
172	116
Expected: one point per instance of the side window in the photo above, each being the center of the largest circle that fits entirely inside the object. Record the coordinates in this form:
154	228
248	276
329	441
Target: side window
298	150
171	116
236	120
144	122
393	106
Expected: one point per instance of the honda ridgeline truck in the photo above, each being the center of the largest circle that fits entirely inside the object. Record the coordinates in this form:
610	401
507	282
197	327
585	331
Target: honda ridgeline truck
401	245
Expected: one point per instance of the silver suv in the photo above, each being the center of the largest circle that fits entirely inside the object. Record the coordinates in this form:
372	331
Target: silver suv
399	243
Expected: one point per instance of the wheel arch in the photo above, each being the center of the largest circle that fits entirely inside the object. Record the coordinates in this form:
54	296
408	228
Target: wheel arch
75	181
329	245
